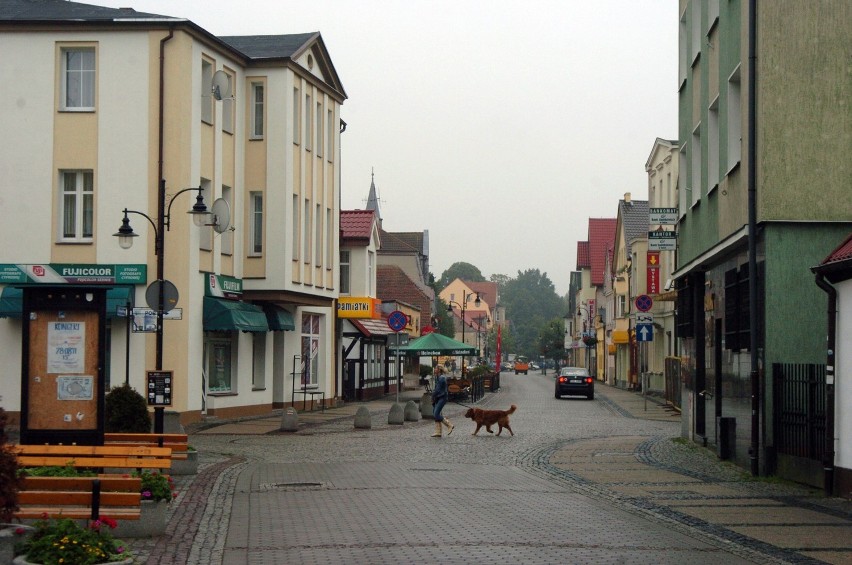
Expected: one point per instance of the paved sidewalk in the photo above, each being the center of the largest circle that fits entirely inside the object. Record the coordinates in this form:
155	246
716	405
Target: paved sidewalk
656	477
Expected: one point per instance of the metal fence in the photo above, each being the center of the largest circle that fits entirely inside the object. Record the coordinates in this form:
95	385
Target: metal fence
799	408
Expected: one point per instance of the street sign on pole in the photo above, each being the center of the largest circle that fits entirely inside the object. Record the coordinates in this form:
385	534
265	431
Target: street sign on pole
662	241
644	332
662	216
644	302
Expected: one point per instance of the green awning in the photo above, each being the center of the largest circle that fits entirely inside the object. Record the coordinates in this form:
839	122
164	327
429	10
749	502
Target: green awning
279	319
12	301
232	316
118	296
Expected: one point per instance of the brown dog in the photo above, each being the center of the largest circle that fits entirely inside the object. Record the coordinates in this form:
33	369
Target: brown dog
488	418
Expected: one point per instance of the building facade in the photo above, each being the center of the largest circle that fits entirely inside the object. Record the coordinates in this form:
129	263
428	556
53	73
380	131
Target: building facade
132	109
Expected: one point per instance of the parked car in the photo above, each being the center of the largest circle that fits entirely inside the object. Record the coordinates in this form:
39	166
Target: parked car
575	381
522	364
507	366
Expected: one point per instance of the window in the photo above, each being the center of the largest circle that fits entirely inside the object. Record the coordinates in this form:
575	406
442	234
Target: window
206	96
295	227
306	233
695	32
228	109
713	146
329	241
220	364
319	129
228	235
77	205
309	123
78	70
684	52
683	188
258	366
297	124
329	154
318	237
205	240
695	162
256	110
344	272
734	121
371	255
712	14
310	350
256	223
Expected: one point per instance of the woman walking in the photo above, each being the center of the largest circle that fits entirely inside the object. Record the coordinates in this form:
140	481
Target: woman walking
439	398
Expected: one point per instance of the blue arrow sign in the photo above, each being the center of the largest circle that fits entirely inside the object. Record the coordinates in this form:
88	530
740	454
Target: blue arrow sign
644	332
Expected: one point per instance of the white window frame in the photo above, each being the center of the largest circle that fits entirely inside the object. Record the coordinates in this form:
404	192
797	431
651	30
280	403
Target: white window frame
206	91
255	223
76	206
79	79
310	349
734	120
258	111
228	108
228	344
345	272
227	237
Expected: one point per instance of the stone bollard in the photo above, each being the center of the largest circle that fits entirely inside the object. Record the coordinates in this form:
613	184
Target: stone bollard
412	412
426	406
363	420
396	416
290	421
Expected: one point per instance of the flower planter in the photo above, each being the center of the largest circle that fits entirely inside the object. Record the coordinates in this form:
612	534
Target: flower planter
150	524
19	560
188	466
9	537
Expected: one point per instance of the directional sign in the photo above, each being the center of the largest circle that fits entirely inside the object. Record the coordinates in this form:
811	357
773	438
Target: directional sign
397	321
644	332
644	302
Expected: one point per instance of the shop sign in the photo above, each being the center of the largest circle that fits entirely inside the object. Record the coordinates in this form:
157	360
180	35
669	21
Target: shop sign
72	273
662	240
359	307
662	216
223	286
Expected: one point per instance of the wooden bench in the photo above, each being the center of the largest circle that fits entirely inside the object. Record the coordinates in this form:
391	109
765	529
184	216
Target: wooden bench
80	498
178	443
94	456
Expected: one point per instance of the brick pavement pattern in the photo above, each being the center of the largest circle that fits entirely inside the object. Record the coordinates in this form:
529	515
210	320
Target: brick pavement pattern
582	482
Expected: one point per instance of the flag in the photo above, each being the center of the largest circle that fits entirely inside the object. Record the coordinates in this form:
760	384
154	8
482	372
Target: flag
499	346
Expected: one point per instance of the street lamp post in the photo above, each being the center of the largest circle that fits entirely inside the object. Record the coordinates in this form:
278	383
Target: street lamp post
587	328
463	306
125	236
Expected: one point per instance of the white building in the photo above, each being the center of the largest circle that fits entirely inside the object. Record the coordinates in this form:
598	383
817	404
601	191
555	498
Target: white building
118	103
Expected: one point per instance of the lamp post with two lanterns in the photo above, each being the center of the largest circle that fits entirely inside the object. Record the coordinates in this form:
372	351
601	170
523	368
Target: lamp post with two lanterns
463	306
588	325
125	235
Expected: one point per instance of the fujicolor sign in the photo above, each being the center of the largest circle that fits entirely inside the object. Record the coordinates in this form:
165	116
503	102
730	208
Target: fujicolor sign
73	273
223	286
359	307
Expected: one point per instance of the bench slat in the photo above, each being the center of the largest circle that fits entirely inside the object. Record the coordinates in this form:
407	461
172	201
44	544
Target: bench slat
102	450
77	513
113	483
98	462
77	498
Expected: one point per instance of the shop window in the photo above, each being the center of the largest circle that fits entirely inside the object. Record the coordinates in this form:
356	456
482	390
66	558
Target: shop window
221	356
258	367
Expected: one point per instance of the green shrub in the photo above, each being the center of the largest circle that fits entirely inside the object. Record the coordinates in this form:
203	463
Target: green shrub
425	370
126	411
9	481
68	470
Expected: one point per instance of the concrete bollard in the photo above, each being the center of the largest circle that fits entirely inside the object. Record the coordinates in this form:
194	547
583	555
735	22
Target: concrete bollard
290	420
412	412
363	420
426	406
396	416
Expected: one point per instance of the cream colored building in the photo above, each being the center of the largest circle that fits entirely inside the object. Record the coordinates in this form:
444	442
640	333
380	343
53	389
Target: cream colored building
117	102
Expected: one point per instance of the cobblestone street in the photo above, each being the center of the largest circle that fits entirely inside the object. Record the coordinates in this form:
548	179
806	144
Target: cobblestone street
580	482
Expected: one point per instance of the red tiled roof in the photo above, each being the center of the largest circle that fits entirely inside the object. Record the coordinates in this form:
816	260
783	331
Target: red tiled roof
842	253
370	327
601	235
356	225
393	284
487	291
583	255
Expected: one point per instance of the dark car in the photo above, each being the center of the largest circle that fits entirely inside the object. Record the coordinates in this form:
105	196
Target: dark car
575	381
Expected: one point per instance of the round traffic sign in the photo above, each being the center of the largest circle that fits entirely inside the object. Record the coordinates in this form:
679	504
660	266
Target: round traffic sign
397	320
644	302
170	295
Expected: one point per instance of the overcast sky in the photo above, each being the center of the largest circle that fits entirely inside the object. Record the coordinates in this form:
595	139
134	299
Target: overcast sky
499	126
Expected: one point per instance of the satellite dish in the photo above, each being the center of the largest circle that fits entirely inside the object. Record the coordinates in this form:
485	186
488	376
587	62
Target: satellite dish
221	215
221	86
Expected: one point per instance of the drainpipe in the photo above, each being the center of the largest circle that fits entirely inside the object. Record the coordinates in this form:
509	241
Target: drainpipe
752	239
828	459
160	131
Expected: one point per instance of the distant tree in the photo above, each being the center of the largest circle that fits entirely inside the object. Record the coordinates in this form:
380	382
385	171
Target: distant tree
500	281
551	340
530	301
459	270
445	323
507	342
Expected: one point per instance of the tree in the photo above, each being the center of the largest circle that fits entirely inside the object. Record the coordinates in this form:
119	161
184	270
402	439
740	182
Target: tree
459	270
551	340
445	324
530	301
